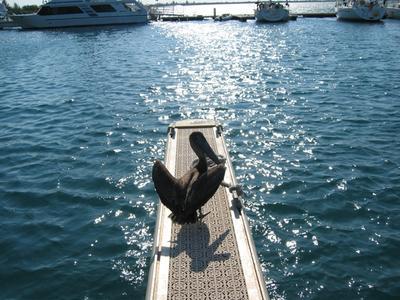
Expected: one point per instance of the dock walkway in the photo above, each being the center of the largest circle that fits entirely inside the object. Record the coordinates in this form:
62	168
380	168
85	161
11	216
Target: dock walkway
211	259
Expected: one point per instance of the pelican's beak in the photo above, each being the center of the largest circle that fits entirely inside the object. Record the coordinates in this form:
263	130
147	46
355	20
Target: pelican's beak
201	147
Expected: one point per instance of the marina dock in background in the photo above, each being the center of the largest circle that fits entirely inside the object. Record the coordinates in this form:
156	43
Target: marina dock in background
242	18
214	258
159	16
168	11
175	12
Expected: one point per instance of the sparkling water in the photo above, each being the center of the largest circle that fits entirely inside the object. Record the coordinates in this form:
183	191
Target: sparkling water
311	111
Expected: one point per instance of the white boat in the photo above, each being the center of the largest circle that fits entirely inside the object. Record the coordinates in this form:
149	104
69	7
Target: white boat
359	10
224	17
271	12
393	10
3	11
71	13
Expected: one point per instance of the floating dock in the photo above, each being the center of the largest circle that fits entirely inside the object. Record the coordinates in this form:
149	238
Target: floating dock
243	18
214	258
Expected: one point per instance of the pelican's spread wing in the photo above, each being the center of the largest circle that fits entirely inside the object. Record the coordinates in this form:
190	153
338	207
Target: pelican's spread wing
167	186
204	188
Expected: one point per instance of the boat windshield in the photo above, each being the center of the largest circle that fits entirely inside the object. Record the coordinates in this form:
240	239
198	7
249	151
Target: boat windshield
62	10
351	3
132	6
102	8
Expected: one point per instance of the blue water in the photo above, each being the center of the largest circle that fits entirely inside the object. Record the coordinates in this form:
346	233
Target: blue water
311	111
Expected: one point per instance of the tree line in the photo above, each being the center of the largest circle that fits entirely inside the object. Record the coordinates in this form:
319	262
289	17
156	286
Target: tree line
16	9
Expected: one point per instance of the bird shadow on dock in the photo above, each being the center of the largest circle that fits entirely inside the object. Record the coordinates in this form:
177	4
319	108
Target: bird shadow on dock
194	239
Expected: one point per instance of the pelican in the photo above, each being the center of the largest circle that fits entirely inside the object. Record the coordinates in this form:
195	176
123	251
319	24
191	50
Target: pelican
186	195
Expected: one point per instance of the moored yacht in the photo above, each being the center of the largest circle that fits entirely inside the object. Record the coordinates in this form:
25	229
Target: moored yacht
3	11
70	13
271	12
393	10
359	10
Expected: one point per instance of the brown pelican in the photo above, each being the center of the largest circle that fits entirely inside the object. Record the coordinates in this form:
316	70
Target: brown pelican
186	195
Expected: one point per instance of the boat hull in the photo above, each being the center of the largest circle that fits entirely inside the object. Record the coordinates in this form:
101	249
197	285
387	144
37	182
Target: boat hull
34	21
272	15
393	13
361	13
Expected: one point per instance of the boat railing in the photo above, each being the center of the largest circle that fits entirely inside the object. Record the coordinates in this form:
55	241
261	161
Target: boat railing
393	3
138	3
270	4
355	3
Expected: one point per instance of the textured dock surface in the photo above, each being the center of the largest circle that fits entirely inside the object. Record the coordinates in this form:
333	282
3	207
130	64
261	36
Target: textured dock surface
206	260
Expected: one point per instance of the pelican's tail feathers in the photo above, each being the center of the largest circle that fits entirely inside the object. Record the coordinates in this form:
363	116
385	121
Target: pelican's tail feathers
183	219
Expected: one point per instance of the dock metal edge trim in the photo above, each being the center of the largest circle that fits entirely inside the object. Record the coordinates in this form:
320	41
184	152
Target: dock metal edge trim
246	226
157	284
194	123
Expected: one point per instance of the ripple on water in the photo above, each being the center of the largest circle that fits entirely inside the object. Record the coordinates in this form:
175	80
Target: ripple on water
311	123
